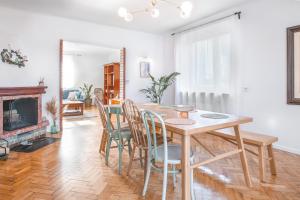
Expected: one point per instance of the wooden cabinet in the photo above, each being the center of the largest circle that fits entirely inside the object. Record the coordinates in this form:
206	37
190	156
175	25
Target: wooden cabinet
111	81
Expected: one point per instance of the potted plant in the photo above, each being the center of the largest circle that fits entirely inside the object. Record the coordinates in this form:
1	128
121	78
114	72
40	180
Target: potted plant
156	91
87	90
51	108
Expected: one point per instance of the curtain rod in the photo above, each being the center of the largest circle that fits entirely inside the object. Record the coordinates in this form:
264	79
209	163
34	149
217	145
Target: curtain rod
238	14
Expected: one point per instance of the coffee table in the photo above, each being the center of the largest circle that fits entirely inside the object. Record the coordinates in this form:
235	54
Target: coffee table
77	108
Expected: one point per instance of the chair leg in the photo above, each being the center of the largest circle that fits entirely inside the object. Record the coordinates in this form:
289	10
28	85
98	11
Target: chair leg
129	147
147	176
107	150
261	161
192	185
272	159
120	148
174	176
145	163
141	156
103	141
165	181
131	160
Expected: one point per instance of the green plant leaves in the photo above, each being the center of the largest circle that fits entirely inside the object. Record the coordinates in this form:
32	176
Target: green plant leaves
158	87
87	89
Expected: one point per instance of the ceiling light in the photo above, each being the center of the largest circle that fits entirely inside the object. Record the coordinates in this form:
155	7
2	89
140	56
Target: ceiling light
122	12
128	17
155	12
186	7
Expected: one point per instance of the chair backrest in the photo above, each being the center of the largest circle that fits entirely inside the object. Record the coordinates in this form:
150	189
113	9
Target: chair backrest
135	123
151	122
104	115
98	92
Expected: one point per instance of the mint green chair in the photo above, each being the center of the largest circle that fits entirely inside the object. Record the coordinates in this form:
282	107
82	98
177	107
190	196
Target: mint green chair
122	137
168	154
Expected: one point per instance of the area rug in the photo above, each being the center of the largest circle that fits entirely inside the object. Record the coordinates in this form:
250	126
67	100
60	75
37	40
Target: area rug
36	144
86	114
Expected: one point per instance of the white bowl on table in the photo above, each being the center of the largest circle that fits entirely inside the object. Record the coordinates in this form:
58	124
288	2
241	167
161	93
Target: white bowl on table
184	108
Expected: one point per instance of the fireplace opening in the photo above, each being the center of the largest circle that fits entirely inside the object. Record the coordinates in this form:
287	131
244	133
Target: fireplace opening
20	113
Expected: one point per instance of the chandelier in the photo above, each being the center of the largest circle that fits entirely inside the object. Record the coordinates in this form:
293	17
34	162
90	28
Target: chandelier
185	9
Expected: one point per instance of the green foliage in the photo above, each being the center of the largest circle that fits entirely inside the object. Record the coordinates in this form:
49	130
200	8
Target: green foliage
87	89
156	90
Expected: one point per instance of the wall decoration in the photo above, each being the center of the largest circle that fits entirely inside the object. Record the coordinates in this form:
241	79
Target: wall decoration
144	69
13	57
293	69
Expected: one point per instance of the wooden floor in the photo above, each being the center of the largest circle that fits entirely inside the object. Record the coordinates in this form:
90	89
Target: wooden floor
73	169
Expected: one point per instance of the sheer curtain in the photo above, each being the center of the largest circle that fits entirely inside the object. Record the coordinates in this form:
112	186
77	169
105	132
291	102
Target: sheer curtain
204	58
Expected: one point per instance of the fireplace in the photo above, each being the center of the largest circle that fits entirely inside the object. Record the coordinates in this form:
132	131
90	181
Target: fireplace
20	113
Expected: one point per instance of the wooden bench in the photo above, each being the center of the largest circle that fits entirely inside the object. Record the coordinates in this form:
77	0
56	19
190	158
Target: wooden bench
260	141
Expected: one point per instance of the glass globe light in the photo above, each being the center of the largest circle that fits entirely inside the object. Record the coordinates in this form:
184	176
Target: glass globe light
186	7
122	12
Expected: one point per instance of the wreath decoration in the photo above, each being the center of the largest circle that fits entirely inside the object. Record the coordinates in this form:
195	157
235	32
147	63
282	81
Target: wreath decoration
13	57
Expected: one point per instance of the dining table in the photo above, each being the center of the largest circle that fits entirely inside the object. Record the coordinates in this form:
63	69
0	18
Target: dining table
202	122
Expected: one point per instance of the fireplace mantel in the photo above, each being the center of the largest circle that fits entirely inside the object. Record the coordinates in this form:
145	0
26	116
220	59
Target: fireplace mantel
12	93
16	91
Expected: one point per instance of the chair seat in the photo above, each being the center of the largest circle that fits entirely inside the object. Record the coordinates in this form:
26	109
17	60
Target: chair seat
174	154
125	133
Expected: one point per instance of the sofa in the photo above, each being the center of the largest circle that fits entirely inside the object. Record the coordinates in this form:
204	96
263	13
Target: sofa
79	95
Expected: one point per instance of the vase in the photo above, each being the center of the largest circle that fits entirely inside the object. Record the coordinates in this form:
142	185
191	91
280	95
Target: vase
88	102
53	129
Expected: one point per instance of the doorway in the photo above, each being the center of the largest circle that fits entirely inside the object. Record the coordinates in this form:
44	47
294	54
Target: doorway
87	70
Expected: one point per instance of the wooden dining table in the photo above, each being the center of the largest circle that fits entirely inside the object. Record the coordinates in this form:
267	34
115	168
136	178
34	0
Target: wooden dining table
202	125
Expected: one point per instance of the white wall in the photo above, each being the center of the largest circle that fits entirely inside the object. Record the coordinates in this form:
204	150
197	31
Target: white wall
38	36
88	69
261	61
263	70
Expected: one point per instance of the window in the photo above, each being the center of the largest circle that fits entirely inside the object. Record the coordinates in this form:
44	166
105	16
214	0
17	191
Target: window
205	65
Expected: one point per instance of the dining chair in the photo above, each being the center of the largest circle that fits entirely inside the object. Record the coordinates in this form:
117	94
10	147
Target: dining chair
121	137
98	92
139	139
167	154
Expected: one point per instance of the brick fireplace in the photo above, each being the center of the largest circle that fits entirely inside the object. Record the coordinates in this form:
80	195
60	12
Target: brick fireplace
21	113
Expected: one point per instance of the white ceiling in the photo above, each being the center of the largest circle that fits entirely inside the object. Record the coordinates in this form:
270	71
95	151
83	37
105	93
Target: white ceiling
105	11
74	48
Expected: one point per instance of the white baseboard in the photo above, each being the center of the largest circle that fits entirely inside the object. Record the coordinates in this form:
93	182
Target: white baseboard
290	150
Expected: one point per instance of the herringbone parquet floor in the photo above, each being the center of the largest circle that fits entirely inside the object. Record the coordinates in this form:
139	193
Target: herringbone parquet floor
73	169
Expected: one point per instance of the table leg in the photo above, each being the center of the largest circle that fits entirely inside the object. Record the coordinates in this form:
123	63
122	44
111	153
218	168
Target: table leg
81	109
272	159
261	161
240	144
185	166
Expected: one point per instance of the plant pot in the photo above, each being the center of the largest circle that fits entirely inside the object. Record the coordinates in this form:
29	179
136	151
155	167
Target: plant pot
53	129
88	102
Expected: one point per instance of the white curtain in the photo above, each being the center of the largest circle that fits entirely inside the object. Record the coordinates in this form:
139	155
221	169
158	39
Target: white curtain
204	59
